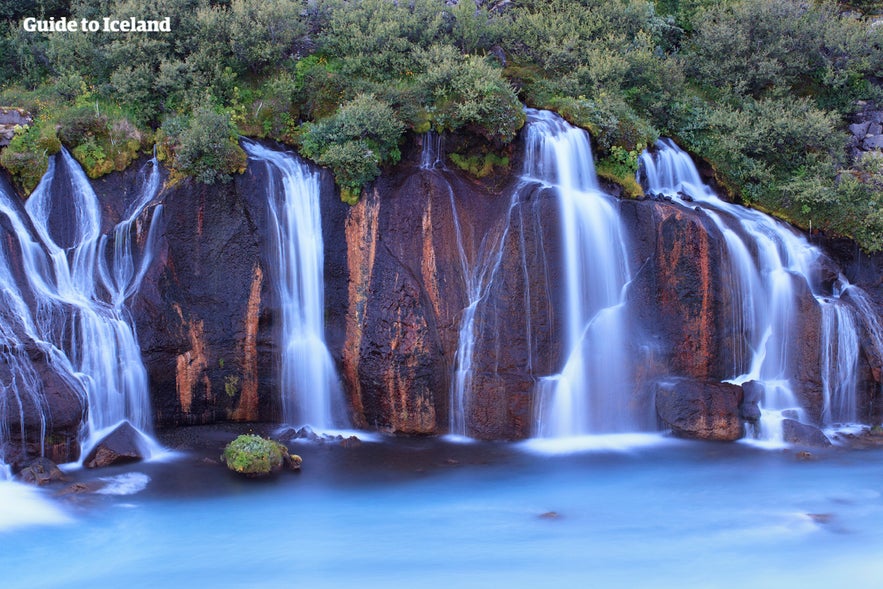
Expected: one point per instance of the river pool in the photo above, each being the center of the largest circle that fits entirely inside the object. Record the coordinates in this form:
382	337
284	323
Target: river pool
433	513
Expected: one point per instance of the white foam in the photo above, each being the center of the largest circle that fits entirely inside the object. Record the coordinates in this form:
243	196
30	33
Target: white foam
124	484
21	506
626	442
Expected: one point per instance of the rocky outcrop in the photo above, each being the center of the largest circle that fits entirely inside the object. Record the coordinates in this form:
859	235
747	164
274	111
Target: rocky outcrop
700	410
802	434
866	130
10	118
680	297
124	444
406	292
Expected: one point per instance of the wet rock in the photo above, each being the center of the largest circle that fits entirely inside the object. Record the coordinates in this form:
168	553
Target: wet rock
801	434
42	471
700	410
82	488
681	295
291	461
351	442
749	410
821	518
122	445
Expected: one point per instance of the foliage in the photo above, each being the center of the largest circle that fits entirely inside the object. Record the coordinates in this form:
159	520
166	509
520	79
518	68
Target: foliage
478	165
204	146
759	88
253	455
354	142
27	155
621	167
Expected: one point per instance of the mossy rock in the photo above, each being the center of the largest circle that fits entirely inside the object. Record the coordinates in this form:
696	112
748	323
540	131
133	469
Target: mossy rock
254	456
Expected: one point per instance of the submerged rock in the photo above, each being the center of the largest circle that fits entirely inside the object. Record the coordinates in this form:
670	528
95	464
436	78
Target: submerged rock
122	445
42	471
802	434
700	410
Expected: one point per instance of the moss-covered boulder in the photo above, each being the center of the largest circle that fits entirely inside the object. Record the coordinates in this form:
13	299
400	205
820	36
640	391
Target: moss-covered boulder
254	456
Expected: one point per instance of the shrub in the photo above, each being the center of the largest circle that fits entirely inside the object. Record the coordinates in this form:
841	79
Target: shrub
254	456
462	91
204	146
354	142
27	155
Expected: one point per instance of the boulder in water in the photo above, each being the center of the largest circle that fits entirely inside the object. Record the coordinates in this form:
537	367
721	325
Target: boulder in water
254	456
700	409
801	434
750	408
122	445
42	471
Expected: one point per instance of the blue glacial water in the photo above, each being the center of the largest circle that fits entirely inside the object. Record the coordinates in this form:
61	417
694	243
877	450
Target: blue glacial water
429	513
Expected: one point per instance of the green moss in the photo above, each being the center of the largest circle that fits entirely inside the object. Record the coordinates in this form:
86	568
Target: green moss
254	456
231	384
27	155
479	165
613	174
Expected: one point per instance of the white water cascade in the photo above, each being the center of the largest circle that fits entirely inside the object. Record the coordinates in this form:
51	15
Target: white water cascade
478	271
75	307
766	258
592	392
311	390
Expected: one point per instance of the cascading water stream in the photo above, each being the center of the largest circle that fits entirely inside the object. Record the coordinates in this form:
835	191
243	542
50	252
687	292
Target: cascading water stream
763	284
591	394
311	390
478	275
90	340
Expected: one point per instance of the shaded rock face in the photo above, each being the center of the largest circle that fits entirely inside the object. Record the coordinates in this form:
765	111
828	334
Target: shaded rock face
518	323
406	292
206	311
801	434
122	445
42	409
679	300
700	410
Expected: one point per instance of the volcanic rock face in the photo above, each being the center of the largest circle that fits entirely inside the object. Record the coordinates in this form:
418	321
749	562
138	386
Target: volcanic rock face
679	297
401	268
701	410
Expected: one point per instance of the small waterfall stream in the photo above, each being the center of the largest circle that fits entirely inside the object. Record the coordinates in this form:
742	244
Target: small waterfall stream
311	390
75	306
591	393
766	257
478	275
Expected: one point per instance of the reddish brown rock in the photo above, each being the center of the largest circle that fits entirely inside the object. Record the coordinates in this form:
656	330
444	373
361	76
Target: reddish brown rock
700	410
680	297
124	444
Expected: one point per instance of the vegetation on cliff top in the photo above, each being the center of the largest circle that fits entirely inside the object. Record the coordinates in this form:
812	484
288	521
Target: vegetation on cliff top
763	90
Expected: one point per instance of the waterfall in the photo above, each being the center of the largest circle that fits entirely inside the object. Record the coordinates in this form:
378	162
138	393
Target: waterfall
75	308
591	393
478	276
765	258
311	390
840	350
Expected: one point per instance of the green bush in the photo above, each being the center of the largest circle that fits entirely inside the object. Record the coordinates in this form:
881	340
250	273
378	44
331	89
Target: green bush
27	155
254	456
354	142
204	146
467	91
